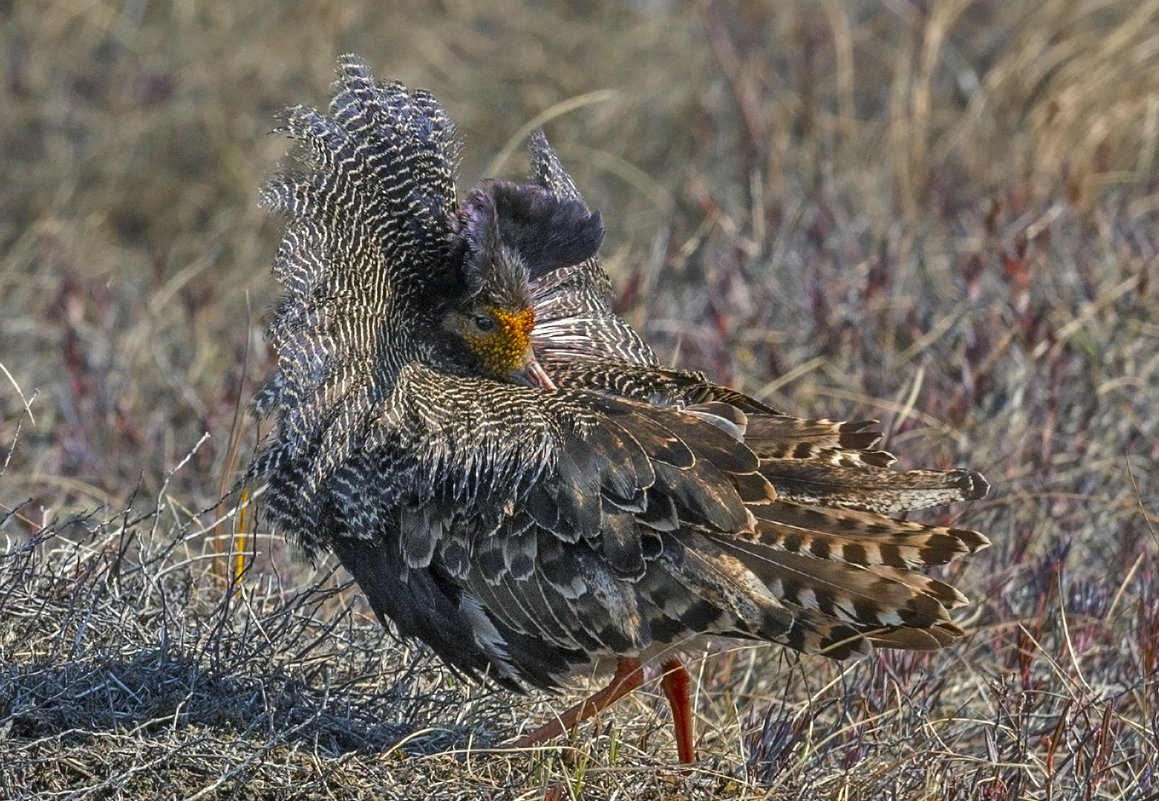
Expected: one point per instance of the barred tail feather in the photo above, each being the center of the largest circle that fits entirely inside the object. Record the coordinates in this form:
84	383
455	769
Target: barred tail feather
860	538
831	441
868	488
841	609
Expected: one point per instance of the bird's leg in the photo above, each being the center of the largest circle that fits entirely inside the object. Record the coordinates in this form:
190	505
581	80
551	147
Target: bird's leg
629	676
676	683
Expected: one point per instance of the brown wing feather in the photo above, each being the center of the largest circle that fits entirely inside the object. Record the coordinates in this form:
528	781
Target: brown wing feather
870	488
860	538
729	554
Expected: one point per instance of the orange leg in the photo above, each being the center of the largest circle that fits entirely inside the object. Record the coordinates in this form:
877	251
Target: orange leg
676	683
629	676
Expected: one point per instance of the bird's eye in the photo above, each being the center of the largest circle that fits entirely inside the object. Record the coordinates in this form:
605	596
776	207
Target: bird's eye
484	322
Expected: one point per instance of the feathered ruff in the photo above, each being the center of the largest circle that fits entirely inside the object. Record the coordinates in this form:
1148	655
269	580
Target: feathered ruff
367	239
575	305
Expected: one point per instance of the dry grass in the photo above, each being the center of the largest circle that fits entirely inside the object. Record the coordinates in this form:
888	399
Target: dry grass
940	214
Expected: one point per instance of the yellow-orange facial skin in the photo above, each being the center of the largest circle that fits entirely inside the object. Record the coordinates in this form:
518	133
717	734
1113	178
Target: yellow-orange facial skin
505	348
500	337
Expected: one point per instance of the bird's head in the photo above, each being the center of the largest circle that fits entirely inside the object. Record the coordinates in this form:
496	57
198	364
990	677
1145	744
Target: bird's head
510	235
495	329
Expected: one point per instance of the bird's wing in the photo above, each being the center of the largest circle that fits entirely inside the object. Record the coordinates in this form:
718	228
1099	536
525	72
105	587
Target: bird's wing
576	525
548	515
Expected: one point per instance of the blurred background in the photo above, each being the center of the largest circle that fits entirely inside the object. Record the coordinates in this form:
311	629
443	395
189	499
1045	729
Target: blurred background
834	206
937	213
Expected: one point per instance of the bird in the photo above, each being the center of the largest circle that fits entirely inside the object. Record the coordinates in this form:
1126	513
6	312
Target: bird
507	469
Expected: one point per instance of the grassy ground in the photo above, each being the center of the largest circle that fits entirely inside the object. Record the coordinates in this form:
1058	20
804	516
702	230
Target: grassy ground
939	214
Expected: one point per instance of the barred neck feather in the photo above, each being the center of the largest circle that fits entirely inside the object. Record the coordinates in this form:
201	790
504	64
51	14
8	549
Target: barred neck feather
575	305
365	247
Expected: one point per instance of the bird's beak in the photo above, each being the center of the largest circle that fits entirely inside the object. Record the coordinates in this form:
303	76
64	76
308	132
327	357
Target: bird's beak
532	374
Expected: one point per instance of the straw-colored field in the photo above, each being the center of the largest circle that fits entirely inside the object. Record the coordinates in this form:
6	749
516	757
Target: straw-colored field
939	214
